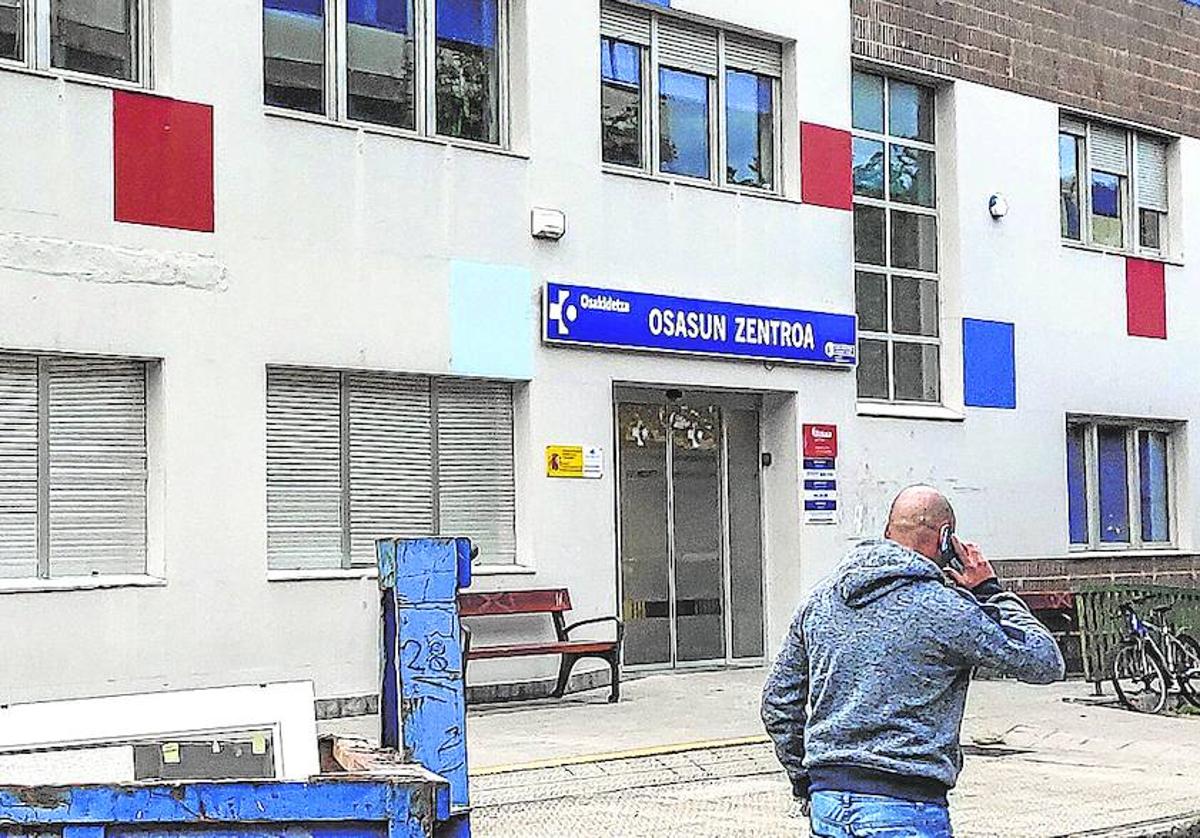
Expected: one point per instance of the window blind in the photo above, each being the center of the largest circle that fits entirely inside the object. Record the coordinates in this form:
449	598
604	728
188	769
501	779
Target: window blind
687	46
476	483
745	53
625	23
1109	151
1152	173
391	466
96	443
18	465
304	469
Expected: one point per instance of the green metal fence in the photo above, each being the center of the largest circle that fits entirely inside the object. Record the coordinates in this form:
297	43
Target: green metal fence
1100	624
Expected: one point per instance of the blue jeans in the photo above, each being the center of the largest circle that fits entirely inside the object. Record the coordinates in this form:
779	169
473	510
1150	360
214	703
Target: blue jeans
837	814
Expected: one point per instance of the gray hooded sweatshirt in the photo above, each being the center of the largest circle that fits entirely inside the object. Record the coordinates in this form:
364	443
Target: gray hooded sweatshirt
867	694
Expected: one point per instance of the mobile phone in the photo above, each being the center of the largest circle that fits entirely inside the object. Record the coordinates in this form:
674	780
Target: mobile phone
949	555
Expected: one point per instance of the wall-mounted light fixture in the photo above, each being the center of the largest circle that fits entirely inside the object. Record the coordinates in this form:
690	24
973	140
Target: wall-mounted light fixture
998	206
549	224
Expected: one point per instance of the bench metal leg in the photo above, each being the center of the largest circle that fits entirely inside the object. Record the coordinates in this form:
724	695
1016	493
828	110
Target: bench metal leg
614	663
564	674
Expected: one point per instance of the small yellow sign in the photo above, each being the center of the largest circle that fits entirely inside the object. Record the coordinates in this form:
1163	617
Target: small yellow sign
170	753
564	461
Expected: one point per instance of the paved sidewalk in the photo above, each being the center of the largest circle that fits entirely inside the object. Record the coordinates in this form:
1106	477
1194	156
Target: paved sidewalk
1036	765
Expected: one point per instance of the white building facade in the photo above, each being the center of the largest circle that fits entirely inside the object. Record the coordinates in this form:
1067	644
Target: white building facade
271	292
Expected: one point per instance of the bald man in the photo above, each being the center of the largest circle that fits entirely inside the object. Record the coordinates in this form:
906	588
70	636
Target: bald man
865	701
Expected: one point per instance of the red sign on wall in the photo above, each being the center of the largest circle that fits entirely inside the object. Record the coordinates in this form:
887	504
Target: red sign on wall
820	442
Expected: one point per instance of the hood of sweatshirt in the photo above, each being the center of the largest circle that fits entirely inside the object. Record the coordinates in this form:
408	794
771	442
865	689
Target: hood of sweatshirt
876	568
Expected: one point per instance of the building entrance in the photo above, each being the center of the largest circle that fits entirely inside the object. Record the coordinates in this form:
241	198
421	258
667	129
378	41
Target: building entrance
690	517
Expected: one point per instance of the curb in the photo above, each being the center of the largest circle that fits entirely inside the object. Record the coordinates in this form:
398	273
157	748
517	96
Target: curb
612	756
1176	826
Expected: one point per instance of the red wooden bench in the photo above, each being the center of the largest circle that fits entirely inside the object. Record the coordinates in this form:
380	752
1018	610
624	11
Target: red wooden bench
555	602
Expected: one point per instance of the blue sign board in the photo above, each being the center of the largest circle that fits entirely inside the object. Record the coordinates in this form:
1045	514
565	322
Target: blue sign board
578	315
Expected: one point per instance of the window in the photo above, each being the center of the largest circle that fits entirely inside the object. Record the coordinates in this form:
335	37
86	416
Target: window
1123	171
717	92
434	67
895	240
95	37
352	457
73	466
1119	477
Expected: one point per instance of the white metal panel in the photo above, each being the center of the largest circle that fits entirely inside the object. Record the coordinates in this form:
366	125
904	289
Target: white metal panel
687	46
1109	151
1152	185
476	484
18	465
745	53
97	466
391	461
304	475
625	23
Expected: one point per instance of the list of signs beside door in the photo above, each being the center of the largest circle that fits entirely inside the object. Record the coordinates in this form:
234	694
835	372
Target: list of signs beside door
578	315
820	474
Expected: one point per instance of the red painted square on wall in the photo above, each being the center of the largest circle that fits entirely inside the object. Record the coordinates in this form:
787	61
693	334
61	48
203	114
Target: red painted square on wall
1146	298
163	162
825	167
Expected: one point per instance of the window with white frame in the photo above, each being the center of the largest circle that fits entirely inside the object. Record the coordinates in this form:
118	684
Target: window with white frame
1113	186
718	92
1119	483
94	37
357	456
434	67
73	466
896	240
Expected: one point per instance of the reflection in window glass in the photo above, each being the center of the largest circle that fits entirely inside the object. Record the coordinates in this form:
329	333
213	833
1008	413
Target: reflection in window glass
749	129
621	102
1077	501
683	123
1068	182
870	294
381	62
1152	469
294	54
868	234
914	241
12	29
914	306
867	102
1150	229
868	167
873	370
468	69
911	175
97	37
1113	485
1107	209
910	111
917	376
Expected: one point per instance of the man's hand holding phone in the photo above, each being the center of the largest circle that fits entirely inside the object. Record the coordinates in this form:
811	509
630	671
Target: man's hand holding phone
976	569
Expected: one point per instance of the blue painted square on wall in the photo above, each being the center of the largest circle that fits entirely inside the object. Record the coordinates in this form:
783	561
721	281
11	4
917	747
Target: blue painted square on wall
989	364
493	328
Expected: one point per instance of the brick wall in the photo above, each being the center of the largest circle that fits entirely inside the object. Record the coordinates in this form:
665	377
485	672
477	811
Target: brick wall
1071	574
1131	59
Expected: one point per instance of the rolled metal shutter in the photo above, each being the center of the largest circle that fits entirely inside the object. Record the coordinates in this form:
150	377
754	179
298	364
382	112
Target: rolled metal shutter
18	465
687	46
745	53
304	472
1152	185
97	465
1109	151
391	461
625	23
476	483
1072	125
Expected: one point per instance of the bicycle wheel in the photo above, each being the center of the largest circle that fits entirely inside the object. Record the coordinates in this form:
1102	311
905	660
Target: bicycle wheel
1140	679
1187	668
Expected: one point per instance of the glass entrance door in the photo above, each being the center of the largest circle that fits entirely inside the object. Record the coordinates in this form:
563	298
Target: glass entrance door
690	532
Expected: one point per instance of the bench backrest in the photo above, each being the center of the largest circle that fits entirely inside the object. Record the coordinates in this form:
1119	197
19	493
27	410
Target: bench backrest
543	601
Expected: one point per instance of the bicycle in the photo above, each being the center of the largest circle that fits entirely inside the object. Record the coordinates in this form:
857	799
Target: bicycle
1151	657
